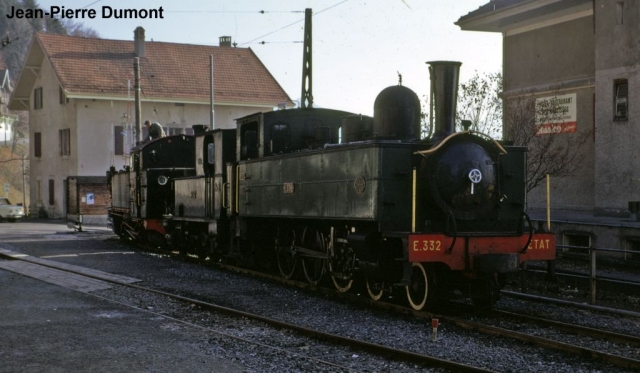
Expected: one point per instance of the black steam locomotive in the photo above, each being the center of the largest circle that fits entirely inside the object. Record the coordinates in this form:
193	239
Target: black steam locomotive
341	196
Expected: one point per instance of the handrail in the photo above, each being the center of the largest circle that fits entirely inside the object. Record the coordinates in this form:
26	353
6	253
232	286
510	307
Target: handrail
224	189
520	222
238	189
472	132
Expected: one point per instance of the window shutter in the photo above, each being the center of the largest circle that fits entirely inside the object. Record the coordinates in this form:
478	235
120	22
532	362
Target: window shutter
37	144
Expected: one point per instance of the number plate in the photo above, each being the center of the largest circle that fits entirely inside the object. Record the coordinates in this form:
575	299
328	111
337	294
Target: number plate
288	188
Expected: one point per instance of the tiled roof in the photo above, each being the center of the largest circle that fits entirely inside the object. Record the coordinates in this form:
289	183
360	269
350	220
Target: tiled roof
169	71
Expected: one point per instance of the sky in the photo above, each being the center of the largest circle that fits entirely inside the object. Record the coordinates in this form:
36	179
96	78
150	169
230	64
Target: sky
359	46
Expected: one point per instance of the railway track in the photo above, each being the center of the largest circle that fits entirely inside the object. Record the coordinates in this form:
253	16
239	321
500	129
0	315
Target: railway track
351	344
556	337
485	327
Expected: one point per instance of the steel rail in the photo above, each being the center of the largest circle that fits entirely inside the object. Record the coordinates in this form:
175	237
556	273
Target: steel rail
578	329
617	360
562	302
373	348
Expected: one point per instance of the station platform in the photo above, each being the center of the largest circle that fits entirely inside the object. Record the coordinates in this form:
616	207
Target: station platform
51	323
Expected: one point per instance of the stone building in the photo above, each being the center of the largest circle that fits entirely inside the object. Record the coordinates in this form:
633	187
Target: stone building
587	53
80	96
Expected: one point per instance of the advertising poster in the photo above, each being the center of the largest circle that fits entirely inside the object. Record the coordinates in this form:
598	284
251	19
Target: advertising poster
556	114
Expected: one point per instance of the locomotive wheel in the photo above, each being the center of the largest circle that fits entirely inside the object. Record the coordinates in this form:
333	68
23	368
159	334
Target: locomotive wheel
214	255
485	292
374	289
418	289
117	226
156	239
286	256
202	249
313	268
340	265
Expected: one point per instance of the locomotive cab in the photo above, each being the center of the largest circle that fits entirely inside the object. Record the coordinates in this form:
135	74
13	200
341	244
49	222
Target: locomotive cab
287	131
142	194
155	164
200	220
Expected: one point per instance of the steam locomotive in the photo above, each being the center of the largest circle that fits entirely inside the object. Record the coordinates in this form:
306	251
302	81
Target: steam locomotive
342	197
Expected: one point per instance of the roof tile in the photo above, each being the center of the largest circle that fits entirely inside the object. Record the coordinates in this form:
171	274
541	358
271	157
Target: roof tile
168	70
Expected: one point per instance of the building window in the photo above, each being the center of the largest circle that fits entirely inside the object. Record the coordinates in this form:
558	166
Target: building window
63	96
577	243
65	141
170	131
620	13
37	144
118	140
633	248
52	200
621	92
37	98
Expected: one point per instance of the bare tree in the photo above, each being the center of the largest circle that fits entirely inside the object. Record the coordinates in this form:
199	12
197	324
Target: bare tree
549	152
516	119
16	35
479	102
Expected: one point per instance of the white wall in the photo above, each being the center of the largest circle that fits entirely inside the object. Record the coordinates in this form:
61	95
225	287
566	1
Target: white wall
91	123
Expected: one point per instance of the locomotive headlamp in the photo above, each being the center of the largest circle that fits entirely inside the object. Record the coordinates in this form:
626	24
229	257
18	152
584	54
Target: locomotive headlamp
162	180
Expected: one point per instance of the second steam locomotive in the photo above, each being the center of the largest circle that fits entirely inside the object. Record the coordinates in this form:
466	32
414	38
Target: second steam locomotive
342	197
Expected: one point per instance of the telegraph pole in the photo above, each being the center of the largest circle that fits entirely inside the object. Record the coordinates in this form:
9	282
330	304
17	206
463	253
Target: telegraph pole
138	109
212	114
307	95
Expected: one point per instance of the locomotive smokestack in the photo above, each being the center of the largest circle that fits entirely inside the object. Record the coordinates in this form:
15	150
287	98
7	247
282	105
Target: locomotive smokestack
444	95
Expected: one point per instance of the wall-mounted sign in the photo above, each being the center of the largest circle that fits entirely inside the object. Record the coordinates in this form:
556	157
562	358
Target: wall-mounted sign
91	198
556	114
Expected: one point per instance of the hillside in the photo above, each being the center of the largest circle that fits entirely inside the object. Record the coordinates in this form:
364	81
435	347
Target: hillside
11	172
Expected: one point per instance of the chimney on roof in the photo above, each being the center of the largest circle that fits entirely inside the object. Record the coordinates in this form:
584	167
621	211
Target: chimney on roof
138	41
225	41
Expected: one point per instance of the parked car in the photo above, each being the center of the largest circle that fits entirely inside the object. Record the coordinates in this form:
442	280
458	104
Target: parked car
10	212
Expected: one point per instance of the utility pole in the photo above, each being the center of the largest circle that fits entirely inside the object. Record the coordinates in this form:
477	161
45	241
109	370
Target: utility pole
212	118
24	189
307	95
136	87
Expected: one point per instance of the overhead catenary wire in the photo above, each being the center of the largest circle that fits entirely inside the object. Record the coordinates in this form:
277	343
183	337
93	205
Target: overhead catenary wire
278	42
235	11
293	23
221	12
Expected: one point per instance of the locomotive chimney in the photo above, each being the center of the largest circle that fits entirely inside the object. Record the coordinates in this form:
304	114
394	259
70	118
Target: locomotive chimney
444	95
138	41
